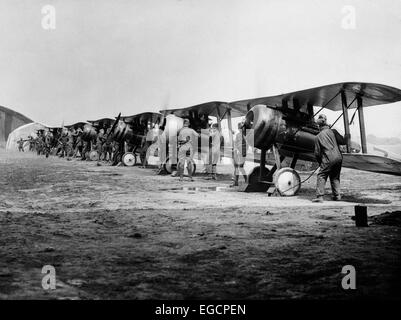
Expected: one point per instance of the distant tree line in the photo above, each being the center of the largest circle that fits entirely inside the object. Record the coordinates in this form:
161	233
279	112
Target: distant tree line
383	141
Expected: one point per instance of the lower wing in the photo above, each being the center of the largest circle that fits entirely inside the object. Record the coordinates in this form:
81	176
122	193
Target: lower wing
372	163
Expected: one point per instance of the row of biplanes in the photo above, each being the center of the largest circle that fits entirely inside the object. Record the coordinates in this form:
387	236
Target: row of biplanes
281	128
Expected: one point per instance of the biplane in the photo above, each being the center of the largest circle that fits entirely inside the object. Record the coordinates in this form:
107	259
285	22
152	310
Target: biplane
134	135
285	125
199	117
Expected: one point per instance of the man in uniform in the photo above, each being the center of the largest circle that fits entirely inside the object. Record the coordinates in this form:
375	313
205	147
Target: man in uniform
66	143
21	145
78	143
47	143
239	155
329	157
40	142
186	141
107	145
99	142
31	143
215	137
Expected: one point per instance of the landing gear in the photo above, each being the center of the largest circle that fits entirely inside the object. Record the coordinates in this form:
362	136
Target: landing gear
129	159
94	155
287	182
255	183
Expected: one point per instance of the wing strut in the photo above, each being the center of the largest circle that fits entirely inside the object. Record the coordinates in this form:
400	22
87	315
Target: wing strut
346	120
230	130
362	124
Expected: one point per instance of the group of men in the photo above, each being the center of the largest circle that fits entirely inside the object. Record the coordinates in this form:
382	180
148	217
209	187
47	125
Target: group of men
186	139
69	142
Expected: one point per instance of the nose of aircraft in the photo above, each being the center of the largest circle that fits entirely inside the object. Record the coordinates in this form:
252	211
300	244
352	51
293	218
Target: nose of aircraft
261	125
121	131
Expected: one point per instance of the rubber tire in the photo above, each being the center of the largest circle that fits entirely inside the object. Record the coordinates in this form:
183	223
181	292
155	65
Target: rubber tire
135	158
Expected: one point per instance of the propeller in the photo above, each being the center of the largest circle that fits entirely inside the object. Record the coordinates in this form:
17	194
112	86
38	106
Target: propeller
114	124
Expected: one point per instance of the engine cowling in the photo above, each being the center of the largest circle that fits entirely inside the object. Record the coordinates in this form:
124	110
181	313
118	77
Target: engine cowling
262	126
122	132
88	133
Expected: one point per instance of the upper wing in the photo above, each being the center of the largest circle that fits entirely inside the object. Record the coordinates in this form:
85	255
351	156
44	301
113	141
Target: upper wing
145	117
216	109
329	96
77	124
372	163
103	121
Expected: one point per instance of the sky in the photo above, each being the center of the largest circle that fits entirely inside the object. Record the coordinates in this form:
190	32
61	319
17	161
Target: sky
131	56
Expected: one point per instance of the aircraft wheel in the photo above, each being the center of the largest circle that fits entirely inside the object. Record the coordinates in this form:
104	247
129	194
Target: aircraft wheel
287	182
93	155
253	177
129	159
169	167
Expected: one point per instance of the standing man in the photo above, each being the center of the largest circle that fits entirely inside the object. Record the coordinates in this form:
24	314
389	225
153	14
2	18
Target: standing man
21	145
186	138
31	143
40	142
48	142
78	143
66	143
239	155
99	142
215	136
329	157
107	146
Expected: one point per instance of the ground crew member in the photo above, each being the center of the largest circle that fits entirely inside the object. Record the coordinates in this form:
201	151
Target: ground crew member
215	136
186	138
21	145
329	157
185	154
78	143
99	142
40	142
66	143
31	143
47	143
118	152
162	150
239	155
107	148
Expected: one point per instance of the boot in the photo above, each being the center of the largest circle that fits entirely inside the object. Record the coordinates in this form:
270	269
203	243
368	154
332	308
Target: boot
318	199
235	183
214	173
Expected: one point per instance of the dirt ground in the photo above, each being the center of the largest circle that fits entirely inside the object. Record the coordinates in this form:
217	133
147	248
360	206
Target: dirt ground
126	233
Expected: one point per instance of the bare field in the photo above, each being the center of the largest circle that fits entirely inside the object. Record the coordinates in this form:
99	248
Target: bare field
126	233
